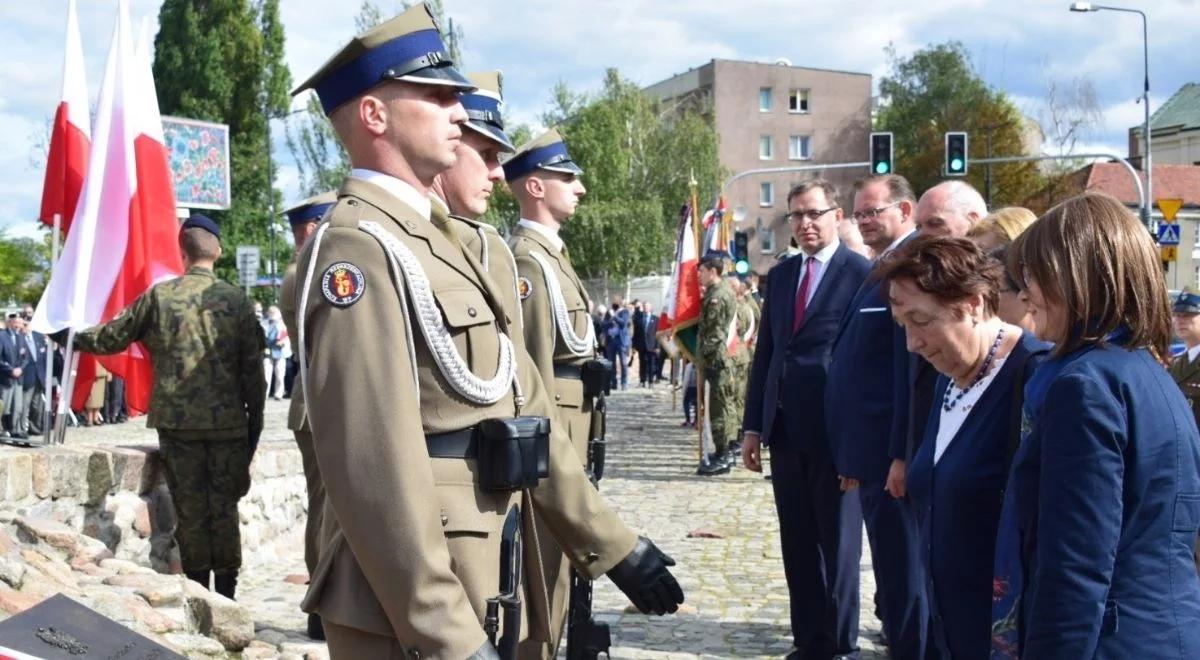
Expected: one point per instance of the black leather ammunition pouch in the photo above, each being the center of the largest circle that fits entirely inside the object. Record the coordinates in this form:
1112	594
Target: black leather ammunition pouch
514	452
597	377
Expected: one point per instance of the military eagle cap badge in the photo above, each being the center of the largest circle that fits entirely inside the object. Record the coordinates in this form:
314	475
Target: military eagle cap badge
343	284
524	287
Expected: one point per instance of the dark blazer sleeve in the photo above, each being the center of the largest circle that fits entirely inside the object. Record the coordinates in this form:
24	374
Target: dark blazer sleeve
6	357
763	350
902	389
1079	518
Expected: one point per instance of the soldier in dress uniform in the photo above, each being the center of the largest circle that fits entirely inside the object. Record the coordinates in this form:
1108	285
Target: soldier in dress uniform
303	219
1185	369
207	402
720	351
420	405
559	332
460	195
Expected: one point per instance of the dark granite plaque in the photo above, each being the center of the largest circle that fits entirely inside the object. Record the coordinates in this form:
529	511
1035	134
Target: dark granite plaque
59	628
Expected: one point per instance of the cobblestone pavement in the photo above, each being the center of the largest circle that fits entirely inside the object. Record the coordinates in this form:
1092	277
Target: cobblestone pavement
737	604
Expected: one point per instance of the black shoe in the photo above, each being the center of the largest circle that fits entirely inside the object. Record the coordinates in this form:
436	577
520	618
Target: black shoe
200	577
316	629
712	465
225	583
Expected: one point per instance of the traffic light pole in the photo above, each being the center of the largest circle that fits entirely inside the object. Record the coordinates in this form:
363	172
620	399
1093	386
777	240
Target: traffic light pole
1143	202
997	160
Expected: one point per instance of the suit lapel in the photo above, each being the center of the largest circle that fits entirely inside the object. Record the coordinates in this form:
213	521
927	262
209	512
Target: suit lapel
827	278
1186	370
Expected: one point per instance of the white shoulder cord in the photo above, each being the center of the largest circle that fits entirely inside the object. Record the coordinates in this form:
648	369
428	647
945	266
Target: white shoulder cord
312	264
483	249
429	318
580	346
482	231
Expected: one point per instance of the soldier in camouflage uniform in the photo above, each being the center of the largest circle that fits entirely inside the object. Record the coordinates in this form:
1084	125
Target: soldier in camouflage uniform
719	354
303	219
207	403
747	327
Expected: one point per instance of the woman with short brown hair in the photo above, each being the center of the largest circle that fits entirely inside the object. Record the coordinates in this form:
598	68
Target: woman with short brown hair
945	293
1106	483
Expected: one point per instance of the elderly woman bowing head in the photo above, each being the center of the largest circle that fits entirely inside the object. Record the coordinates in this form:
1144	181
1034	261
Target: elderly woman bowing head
945	293
1106	484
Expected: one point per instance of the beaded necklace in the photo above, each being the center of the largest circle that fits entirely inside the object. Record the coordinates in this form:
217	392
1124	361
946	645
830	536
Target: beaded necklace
948	404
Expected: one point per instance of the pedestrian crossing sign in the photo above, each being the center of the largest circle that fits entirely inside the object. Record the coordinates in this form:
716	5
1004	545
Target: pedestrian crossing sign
1168	234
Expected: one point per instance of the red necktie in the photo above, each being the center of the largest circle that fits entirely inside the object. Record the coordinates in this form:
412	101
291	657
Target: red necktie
802	293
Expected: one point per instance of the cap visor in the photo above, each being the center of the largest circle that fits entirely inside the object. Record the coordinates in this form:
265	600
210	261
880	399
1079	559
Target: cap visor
566	167
492	133
440	75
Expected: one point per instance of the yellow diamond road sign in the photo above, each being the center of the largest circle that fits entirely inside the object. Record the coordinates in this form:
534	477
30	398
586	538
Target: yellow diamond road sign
1169	253
1170	207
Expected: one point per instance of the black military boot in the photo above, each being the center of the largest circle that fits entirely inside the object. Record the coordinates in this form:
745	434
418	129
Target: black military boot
225	583
316	629
200	577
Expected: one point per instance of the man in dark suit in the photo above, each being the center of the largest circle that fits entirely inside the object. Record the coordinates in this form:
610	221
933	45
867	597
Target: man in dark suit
645	342
820	524
867	409
14	356
33	381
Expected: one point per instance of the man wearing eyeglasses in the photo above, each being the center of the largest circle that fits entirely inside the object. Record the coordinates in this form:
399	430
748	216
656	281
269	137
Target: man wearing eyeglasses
819	522
867	409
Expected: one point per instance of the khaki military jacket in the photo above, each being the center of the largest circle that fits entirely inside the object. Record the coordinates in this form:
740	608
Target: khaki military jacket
206	348
718	321
297	419
537	262
1187	376
410	543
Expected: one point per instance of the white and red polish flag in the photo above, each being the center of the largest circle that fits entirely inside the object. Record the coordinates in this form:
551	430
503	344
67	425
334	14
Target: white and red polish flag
71	135
124	237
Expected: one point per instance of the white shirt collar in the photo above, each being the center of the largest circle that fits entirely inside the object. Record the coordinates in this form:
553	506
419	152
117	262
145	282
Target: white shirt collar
826	253
898	241
1193	352
397	188
550	234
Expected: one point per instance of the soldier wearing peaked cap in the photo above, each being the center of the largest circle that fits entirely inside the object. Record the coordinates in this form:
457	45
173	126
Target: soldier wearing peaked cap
1185	369
559	332
303	219
207	401
420	405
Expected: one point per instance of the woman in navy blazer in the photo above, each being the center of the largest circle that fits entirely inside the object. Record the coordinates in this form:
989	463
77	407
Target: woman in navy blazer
945	292
1106	484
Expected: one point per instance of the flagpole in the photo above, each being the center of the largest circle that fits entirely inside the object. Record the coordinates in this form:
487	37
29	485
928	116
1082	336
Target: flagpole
70	363
48	396
701	408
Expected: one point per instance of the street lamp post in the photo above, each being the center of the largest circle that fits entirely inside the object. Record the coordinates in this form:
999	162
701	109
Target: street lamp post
1147	161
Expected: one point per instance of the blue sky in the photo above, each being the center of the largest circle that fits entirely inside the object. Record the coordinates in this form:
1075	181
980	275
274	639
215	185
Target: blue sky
1017	46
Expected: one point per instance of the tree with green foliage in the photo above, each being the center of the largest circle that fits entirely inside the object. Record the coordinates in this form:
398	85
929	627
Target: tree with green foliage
24	267
222	61
638	158
936	90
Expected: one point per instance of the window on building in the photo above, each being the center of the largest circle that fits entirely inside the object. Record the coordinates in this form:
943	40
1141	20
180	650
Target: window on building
764	99
798	100
766	194
766	148
766	237
800	147
1196	231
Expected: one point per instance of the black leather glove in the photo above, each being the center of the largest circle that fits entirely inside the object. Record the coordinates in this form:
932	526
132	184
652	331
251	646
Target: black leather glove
644	578
485	652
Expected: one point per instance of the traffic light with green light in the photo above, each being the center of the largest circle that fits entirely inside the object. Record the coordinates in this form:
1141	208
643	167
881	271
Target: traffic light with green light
881	153
741	253
956	153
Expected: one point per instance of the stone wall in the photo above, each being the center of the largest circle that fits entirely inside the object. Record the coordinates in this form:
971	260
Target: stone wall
94	522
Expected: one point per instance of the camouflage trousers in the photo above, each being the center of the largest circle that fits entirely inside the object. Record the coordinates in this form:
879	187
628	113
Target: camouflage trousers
206	479
724	413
